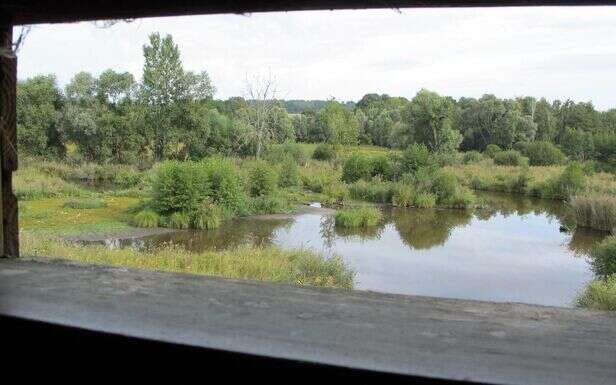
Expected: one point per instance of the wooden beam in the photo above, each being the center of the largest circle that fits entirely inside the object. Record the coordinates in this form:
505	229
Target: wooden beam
8	143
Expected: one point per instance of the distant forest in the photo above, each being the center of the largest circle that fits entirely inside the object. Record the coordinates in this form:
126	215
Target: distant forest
172	114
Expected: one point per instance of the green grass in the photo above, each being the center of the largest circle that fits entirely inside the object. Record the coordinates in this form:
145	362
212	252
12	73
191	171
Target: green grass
594	211
424	200
84	204
147	219
31	183
603	257
300	266
365	216
599	295
179	220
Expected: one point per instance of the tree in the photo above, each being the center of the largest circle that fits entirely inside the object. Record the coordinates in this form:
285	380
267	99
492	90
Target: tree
114	87
337	124
545	120
429	120
38	111
261	93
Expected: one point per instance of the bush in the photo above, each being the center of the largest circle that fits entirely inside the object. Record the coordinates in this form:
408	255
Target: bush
543	154
179	221
364	216
269	204
491	150
324	152
382	167
147	219
447	158
604	257
444	186
599	295
335	192
226	189
510	158
127	177
402	195
262	179
424	200
85	204
281	152
179	187
463	199
594	211
570	182
207	216
415	157
357	166
289	173
373	191
472	157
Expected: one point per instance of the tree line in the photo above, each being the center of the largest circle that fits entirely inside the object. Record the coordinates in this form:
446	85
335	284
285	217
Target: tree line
172	114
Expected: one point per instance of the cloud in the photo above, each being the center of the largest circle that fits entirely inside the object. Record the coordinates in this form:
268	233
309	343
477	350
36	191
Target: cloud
551	52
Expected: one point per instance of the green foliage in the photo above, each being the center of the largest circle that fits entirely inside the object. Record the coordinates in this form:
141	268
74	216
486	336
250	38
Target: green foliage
179	187
382	167
337	124
371	191
84	204
599	295
127	177
147	219
472	157
491	150
226	187
335	192
415	157
570	182
510	158
324	151
444	186
597	211
543	154
179	220
269	204
604	257
206	216
424	200
31	183
278	153
402	195
289	173
262	179
364	216
357	166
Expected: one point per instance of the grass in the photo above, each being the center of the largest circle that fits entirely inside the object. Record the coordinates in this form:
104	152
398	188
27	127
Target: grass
31	183
300	266
594	211
603	257
365	216
147	219
599	295
84	204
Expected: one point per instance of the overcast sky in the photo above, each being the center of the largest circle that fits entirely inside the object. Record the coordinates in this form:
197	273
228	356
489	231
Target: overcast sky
552	52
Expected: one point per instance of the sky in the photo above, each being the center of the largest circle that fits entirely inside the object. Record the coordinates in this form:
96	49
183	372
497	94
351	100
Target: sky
557	53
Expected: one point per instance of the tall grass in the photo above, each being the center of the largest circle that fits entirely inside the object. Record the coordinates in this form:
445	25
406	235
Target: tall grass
31	183
364	216
599	295
300	266
594	211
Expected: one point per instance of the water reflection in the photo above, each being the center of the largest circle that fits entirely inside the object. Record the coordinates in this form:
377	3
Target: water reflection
511	250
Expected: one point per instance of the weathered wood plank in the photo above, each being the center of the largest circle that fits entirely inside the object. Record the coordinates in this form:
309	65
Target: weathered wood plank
8	142
500	343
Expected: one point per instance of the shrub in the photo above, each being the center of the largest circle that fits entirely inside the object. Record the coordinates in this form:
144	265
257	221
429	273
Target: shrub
226	189
447	158
570	182
147	219
357	166
472	157
402	195
415	157
127	177
364	216
604	257
463	199
179	220
179	186
269	204
444	186
543	154
382	167
281	152
335	192
289	173
373	191
491	150
424	200
262	179
510	158
206	216
599	295
324	152
85	204
594	211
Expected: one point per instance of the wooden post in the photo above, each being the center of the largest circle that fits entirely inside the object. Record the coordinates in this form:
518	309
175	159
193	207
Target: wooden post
8	143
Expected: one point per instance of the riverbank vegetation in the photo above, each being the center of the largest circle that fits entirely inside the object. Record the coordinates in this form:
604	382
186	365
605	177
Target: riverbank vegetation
600	294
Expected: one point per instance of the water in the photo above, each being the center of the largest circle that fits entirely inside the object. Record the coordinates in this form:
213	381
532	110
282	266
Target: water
515	251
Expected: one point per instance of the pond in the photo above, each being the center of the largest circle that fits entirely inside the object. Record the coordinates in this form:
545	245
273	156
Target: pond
513	251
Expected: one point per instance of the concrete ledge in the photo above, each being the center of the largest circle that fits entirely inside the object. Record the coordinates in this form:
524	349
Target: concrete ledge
420	336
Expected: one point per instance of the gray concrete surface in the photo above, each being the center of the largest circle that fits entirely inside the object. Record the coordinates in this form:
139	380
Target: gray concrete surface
481	341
